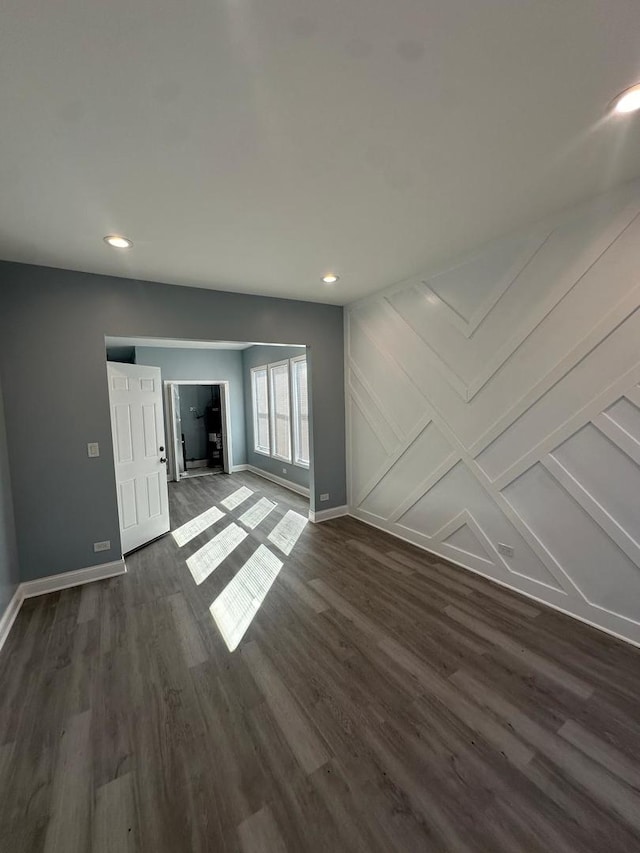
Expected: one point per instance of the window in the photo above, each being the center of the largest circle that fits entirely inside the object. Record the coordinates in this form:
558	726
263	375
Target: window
300	411
261	437
281	410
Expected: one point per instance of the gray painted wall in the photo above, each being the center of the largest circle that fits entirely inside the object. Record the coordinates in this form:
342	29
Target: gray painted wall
254	357
9	574
203	364
52	357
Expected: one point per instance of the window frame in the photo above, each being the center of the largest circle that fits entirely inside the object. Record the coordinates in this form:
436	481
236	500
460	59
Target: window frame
296	419
258	449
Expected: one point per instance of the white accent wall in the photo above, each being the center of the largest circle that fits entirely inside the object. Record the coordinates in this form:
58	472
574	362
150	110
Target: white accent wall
497	402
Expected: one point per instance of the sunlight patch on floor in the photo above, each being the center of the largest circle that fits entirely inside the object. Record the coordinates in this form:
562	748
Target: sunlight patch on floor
236	498
287	531
257	513
234	609
209	557
196	526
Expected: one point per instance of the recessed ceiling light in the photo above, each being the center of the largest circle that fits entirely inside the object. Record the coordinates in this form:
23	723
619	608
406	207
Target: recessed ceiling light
117	241
628	101
330	278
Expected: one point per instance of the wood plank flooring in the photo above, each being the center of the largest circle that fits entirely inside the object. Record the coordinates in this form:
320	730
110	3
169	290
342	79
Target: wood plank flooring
379	701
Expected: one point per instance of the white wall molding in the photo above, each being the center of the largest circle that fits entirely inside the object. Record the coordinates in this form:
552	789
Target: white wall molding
378	403
468	325
379	426
511	382
393	458
236	469
328	514
623	540
608	324
280	481
616	434
55	583
590	412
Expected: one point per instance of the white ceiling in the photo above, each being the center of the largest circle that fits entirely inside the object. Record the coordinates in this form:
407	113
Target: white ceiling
253	146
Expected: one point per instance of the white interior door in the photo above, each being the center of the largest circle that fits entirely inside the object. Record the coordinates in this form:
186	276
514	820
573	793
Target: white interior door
139	452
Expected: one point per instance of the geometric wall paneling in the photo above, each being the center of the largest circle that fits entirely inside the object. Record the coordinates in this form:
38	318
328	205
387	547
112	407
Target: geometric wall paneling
626	543
598	568
499	402
607	480
395	394
618	436
469	290
461	349
388	434
534	382
433	513
626	415
367	452
415	463
597	373
564	258
418	361
633	395
465	539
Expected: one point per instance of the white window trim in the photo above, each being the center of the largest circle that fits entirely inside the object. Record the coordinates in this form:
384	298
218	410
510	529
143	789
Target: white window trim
257	449
293	397
274	455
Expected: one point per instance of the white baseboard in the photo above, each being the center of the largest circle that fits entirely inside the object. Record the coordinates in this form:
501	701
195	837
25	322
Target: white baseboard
445	558
328	514
54	583
235	469
287	484
9	615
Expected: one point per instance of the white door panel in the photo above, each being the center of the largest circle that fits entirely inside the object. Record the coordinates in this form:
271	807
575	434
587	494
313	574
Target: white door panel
139	451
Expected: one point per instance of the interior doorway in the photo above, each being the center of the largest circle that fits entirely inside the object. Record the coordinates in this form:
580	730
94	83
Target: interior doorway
199	422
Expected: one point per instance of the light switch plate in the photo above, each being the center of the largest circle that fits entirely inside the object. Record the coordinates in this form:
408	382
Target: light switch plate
93	449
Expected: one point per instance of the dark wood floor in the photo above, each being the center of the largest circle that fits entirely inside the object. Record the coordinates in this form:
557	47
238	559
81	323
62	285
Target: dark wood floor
380	701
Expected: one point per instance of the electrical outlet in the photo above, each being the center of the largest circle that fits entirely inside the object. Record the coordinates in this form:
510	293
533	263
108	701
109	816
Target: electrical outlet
102	546
93	449
505	550
284	470
324	497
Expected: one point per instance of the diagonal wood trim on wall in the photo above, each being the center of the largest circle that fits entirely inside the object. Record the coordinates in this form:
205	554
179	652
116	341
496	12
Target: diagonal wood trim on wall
498	404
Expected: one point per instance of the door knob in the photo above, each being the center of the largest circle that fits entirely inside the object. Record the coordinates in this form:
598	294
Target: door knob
163	459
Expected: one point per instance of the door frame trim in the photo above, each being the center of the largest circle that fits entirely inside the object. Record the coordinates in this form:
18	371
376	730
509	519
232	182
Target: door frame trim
225	406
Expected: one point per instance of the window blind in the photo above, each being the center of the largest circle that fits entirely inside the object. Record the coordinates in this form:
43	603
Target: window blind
280	411
261	437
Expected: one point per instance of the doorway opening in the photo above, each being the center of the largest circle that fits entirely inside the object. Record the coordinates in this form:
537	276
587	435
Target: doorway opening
198	415
253	416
